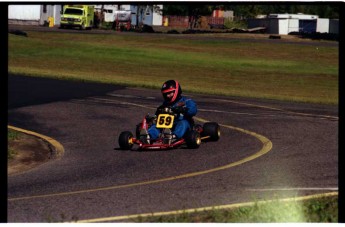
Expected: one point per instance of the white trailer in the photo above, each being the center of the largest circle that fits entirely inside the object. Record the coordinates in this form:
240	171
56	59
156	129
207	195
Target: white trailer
322	25
33	14
286	23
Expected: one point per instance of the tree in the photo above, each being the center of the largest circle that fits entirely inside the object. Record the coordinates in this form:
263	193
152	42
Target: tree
176	10
244	11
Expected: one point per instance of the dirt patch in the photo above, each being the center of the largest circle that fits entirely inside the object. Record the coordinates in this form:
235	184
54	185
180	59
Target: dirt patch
30	152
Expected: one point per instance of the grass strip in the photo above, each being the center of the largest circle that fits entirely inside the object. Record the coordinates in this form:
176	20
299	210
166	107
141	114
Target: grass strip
11	136
302	73
314	210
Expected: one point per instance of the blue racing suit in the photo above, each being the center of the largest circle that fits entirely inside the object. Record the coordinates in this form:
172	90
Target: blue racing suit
182	123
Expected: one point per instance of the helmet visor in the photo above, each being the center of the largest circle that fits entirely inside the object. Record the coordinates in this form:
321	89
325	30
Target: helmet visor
168	95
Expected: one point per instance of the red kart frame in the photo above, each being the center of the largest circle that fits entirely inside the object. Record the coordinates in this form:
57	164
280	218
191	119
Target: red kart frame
192	138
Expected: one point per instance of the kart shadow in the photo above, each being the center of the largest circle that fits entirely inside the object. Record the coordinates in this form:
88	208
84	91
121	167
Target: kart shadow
154	150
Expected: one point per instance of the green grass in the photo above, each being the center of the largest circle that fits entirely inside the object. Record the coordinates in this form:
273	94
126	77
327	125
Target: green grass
313	210
11	136
301	73
235	24
225	67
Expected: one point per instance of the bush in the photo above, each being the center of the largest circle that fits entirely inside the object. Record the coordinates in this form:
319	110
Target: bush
228	23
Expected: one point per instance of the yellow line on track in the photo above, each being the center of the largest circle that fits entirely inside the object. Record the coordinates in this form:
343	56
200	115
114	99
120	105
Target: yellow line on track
267	146
201	209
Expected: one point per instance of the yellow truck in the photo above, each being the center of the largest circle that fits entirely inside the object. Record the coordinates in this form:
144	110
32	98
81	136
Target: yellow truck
81	16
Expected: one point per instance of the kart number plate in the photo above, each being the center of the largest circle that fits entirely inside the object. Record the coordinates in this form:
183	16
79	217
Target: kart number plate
165	121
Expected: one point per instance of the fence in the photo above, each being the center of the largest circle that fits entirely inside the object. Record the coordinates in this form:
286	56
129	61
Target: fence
177	21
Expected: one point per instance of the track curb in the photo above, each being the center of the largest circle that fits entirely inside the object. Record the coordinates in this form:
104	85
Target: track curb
56	147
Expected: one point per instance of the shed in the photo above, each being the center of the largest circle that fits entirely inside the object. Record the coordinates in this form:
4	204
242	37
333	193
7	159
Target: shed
286	23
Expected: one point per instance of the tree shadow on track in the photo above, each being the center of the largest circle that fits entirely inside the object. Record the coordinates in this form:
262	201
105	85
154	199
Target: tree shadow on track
27	91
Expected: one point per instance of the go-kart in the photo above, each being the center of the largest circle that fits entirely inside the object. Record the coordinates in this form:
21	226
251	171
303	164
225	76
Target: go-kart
209	131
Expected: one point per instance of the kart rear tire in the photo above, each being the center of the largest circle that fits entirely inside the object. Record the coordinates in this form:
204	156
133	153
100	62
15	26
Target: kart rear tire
125	140
193	139
212	130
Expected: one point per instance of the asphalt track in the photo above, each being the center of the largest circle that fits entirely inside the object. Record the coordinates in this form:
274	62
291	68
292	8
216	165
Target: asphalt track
268	149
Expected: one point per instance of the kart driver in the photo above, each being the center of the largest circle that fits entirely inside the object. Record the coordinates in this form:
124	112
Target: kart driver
185	108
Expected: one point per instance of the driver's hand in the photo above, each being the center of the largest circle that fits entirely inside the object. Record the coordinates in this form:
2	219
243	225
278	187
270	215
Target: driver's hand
180	109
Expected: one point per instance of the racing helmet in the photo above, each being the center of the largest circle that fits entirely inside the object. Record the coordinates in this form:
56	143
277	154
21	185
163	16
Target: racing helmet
171	86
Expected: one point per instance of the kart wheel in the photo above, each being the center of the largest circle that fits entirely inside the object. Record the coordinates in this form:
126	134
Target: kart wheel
212	130
125	140
193	139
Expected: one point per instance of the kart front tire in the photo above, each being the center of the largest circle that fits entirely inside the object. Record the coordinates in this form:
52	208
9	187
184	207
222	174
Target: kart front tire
125	140
193	139
212	130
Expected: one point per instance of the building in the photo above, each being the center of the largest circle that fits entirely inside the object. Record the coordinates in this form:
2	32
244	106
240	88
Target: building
147	14
284	24
34	14
39	14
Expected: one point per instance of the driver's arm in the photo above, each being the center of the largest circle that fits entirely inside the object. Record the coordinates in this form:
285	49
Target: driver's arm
191	108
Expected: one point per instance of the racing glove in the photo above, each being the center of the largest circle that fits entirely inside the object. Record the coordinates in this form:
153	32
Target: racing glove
150	118
180	109
159	110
